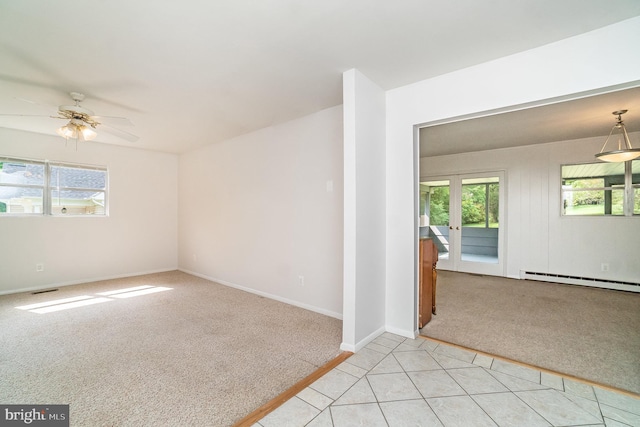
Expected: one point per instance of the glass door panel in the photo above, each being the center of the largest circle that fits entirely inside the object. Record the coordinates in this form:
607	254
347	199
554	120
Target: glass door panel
479	209
435	202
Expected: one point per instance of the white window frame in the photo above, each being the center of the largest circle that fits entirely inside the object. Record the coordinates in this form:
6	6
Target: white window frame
41	187
627	191
49	188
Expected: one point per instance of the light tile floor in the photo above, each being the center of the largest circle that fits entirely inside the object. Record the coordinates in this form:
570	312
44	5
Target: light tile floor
395	381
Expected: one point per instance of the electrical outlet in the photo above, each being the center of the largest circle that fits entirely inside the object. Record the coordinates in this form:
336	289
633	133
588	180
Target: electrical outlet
39	267
301	280
604	266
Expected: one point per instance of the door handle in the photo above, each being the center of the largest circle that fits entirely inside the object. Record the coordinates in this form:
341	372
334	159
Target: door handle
457	228
450	227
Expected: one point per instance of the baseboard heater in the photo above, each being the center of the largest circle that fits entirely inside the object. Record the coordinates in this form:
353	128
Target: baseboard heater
583	281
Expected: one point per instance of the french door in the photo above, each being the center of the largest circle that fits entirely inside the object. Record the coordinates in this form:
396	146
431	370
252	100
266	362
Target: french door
464	215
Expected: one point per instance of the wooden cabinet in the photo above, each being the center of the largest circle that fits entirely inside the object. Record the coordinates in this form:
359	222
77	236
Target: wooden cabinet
427	285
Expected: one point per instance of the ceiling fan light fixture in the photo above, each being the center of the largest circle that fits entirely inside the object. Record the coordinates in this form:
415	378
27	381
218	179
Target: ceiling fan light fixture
77	129
623	151
87	133
67	131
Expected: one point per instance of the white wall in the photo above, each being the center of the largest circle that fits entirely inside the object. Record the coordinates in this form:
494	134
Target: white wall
364	210
539	238
138	236
255	212
560	69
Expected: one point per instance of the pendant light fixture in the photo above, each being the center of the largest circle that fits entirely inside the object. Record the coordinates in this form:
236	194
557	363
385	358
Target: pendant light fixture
623	150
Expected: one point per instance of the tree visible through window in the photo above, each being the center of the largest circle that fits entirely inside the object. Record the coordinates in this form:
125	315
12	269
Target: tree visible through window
480	205
601	189
439	205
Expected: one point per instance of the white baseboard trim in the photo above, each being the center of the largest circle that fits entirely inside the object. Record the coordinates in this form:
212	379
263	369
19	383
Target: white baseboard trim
81	281
372	336
402	332
363	342
266	295
348	347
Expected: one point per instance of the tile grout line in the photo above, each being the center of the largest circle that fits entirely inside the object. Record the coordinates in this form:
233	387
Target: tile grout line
538	368
541	372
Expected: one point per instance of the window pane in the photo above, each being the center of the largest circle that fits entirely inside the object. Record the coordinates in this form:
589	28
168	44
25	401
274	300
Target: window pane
474	205
494	205
73	202
20	200
76	177
480	210
77	190
617	201
434	214
578	203
21	186
582	184
480	202
439	206
21	172
593	189
592	170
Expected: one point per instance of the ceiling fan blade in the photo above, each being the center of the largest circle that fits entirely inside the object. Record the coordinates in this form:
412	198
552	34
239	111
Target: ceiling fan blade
38	104
113	121
29	101
119	133
92	95
29	115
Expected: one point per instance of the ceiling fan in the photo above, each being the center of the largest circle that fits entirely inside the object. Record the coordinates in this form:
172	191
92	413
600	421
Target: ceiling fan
82	122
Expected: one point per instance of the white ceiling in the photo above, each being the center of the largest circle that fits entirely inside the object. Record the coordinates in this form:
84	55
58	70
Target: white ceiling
558	121
195	72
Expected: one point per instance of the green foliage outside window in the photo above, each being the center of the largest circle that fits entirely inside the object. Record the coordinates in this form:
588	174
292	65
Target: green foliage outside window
478	200
439	206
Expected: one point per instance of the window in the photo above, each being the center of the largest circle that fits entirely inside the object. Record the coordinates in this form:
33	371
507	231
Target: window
21	186
30	187
434	203
76	190
480	202
596	189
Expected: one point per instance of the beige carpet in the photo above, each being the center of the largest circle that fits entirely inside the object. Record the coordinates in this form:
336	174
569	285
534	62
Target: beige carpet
586	332
198	354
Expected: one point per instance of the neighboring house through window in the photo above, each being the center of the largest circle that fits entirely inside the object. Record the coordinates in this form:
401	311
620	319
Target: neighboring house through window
32	187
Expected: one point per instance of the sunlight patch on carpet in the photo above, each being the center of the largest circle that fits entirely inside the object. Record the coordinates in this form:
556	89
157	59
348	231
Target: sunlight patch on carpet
151	290
85	300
